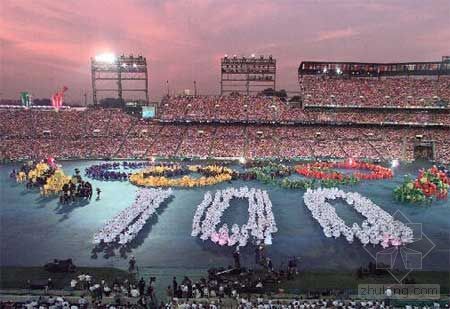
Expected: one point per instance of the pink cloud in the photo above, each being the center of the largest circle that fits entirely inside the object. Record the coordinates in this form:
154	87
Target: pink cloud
46	42
336	34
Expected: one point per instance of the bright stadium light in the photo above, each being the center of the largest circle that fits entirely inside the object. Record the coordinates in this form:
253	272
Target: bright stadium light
124	65
253	55
338	71
134	65
106	58
324	70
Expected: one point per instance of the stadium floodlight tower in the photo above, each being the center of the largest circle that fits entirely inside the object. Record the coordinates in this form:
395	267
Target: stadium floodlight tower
247	75
128	72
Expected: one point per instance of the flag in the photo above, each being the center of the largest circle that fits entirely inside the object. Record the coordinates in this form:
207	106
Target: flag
25	98
58	98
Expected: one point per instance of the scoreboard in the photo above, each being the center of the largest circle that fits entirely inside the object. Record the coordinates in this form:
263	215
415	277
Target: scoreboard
148	112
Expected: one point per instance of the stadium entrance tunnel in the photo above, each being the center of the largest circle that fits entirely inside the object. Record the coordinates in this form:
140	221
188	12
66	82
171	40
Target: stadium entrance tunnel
424	150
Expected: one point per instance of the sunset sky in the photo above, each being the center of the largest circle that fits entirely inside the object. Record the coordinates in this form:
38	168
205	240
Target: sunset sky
45	44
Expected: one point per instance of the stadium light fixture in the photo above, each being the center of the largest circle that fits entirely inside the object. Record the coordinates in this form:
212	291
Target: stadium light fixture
338	70
106	58
253	56
134	65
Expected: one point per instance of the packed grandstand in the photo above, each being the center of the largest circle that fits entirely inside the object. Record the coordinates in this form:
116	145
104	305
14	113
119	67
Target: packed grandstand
364	118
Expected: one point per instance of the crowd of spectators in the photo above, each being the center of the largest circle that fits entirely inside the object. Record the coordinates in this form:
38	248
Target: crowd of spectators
397	91
297	303
261	142
233	108
377	117
167	142
66	124
231	136
107	133
253	109
242	303
197	141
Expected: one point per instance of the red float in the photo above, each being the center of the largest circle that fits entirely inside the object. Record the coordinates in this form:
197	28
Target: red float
321	170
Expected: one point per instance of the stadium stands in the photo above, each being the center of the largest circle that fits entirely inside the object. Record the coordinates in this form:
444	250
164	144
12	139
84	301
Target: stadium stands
141	140
245	126
374	92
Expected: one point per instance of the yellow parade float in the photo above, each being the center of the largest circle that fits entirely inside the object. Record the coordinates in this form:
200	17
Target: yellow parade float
21	177
211	175
38	171
55	183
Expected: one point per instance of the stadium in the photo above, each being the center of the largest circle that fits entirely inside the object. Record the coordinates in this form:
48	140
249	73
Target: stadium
379	112
339	188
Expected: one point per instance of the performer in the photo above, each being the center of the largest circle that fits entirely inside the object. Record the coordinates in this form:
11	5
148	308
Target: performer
98	193
236	257
131	262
